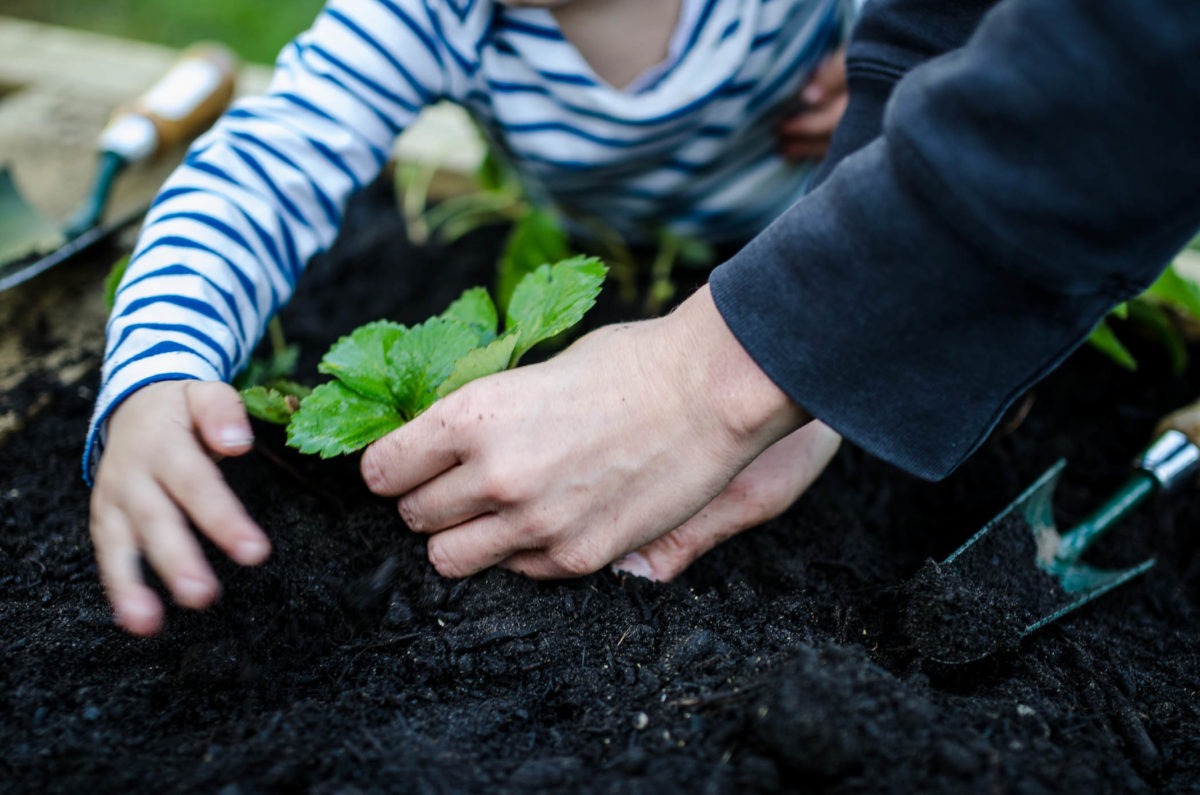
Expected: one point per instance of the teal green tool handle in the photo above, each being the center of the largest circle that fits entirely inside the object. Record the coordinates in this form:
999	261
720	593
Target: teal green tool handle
1165	464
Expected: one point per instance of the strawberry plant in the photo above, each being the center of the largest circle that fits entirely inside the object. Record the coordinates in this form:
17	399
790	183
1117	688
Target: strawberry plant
539	234
385	373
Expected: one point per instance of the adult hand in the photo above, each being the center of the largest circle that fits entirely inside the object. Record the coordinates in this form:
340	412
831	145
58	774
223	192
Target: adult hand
559	468
759	493
157	472
806	132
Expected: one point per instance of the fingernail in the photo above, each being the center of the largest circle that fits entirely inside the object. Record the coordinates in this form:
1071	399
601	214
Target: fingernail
813	94
134	611
634	563
249	551
233	436
191	590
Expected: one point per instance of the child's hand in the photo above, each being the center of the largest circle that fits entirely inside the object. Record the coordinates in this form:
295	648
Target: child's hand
806	133
762	491
157	472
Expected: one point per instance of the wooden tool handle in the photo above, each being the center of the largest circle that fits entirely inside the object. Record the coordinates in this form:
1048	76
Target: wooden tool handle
1174	457
1185	420
177	108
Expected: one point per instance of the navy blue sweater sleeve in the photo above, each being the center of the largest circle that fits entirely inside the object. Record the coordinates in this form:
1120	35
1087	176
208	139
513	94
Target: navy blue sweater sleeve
1016	188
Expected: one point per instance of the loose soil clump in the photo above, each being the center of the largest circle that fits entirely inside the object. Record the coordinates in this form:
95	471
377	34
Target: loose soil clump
783	661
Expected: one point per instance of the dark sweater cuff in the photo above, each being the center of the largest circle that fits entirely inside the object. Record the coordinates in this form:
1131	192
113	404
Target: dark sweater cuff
910	352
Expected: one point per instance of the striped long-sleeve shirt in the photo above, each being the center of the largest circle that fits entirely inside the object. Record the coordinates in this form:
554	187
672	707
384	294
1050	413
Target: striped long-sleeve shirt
690	148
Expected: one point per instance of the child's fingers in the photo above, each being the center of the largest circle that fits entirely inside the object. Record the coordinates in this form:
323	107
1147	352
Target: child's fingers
135	606
195	483
819	120
219	416
828	80
171	549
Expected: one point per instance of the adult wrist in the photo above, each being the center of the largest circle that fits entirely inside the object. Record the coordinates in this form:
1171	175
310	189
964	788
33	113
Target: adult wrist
732	390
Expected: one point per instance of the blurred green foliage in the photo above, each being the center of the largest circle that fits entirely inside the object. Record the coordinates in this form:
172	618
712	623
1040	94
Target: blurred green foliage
256	29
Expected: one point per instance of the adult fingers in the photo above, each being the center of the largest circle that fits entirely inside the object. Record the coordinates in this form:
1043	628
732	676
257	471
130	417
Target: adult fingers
549	564
448	500
763	490
476	545
196	484
413	453
219	417
667	556
135	606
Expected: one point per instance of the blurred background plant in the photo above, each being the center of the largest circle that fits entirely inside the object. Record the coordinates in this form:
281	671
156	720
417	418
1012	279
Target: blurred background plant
257	30
1168	311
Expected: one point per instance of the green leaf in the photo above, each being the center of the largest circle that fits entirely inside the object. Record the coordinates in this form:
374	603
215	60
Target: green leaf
1177	291
335	420
694	252
423	358
480	362
113	280
265	372
475	308
359	360
269	405
493	174
285	387
552	299
536	239
1105	340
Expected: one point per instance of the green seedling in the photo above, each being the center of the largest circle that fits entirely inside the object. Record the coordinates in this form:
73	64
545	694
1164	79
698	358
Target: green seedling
277	367
538	235
385	373
535	238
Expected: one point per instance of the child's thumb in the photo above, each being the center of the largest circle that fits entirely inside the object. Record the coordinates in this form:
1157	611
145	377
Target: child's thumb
219	417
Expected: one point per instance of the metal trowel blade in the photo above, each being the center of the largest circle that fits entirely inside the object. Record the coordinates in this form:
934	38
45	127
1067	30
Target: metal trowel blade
23	230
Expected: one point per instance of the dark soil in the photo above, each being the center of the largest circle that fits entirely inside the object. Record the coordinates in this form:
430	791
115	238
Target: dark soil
981	600
782	661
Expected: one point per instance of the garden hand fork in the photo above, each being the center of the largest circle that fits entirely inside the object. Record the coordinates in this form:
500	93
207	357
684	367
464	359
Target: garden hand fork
1062	582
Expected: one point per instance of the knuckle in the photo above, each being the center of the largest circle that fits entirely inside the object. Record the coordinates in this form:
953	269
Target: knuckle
497	485
410	514
372	469
574	560
444	561
758	499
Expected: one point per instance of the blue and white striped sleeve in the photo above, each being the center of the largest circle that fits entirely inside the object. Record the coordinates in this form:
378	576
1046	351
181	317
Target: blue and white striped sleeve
261	193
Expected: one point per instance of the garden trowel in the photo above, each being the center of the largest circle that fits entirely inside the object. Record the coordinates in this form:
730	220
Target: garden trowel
1020	573
177	108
